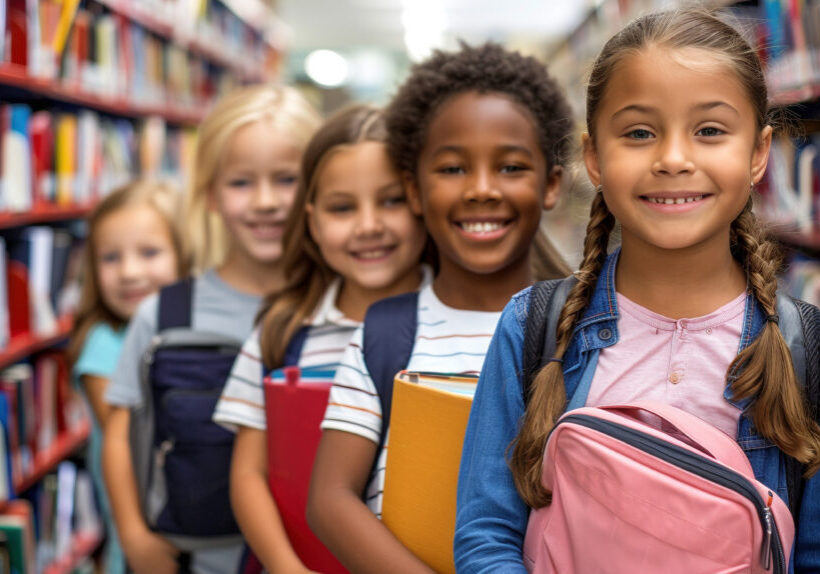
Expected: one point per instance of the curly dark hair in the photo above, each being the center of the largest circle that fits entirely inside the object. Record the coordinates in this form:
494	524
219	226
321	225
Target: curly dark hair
488	68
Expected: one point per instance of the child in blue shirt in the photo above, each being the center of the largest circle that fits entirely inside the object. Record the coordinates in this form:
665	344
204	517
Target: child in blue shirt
132	250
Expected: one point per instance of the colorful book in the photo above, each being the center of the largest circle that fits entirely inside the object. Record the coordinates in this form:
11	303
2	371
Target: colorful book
16	158
427	425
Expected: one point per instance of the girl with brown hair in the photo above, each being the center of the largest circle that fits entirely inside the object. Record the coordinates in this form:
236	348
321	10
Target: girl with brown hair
350	240
684	312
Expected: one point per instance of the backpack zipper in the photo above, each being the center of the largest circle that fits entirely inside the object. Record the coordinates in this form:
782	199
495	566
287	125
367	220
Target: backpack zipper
700	466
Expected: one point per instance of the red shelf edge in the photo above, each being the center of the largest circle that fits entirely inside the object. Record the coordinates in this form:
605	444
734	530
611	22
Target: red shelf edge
24	345
15	76
45	461
83	545
42	214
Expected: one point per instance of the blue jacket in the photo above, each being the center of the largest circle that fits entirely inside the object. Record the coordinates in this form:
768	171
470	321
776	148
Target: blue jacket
491	519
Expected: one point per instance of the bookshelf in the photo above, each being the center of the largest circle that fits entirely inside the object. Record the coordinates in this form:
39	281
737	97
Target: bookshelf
787	36
93	93
27	344
45	213
46	460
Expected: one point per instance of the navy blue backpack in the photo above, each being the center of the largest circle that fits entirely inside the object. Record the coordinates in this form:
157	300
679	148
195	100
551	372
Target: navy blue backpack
181	457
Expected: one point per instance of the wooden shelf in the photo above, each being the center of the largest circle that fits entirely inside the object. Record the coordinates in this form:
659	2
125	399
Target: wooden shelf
47	460
17	77
82	547
24	345
43	214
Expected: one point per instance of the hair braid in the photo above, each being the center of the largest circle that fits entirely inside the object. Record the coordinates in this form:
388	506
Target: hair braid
548	397
763	371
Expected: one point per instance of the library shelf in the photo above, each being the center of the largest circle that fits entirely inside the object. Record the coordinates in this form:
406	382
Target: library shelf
28	343
809	241
797	95
83	545
167	31
47	460
43	214
17	77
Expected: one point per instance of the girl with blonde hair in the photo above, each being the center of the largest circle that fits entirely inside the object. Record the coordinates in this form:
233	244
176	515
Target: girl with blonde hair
245	174
132	249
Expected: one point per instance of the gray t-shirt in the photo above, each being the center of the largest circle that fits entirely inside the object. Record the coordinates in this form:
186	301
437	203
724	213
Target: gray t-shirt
217	307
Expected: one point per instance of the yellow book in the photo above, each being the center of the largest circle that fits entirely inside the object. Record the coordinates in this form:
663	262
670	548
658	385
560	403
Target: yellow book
66	159
427	425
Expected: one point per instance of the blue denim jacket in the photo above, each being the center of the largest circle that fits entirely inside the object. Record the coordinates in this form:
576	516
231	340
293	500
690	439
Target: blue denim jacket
491	519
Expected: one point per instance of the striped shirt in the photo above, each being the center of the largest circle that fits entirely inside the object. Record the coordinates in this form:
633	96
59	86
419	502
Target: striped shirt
447	340
243	400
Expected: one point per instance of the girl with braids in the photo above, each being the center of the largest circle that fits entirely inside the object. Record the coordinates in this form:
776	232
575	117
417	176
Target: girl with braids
684	312
350	240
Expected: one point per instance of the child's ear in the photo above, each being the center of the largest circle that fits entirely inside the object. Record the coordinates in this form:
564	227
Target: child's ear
553	187
760	157
411	188
591	160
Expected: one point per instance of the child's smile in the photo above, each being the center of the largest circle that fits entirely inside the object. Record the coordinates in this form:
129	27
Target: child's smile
482	182
676	149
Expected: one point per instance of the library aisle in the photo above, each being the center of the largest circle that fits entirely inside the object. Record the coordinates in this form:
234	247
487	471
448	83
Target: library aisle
92	95
96	93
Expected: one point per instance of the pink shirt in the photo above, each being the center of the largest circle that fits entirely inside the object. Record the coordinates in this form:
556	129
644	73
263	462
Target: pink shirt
679	362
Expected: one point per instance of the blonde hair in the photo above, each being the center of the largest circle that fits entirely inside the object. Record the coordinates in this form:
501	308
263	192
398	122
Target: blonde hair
763	371
206	242
165	201
308	275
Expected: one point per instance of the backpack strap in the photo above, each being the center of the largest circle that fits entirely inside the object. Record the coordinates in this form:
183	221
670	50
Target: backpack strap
547	298
175	302
800	327
389	335
294	349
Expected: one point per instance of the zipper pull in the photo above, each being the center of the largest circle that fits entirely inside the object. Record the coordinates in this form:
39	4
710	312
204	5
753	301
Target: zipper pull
165	447
766	550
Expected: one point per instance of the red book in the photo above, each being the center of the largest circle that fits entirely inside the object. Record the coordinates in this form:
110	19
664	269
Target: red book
294	407
41	134
17	23
19	307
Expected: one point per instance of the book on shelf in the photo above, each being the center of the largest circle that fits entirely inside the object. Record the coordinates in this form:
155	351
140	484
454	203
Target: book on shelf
802	279
65	159
42	528
17	523
5	329
16	168
177	53
427	425
790	195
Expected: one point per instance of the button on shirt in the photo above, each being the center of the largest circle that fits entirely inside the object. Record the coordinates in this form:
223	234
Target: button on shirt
679	362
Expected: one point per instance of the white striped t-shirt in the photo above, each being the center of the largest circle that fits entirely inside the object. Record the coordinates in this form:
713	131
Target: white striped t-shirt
243	399
447	340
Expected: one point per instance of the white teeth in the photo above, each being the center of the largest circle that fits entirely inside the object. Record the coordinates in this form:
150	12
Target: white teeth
481	226
372	254
674	200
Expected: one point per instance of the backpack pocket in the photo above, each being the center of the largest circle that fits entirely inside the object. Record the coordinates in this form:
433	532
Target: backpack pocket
192	453
195	458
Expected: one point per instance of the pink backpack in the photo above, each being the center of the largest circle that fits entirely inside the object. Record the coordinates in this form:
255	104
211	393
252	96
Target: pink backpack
650	488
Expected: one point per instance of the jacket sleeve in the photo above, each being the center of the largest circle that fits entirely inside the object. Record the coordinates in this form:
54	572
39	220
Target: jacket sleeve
491	519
